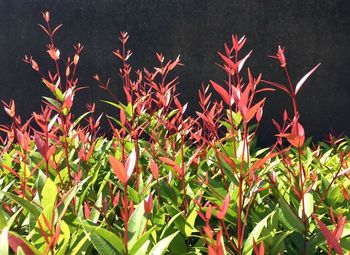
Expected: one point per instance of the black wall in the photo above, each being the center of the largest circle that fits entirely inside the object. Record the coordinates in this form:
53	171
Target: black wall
312	31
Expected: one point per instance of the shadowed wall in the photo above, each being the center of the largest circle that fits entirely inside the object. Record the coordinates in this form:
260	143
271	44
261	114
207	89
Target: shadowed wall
312	31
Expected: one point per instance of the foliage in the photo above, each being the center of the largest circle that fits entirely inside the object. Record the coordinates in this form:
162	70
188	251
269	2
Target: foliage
168	183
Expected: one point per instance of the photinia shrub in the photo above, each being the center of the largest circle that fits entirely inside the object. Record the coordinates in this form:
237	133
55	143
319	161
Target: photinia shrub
166	182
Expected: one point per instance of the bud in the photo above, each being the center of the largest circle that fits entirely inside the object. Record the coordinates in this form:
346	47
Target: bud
46	16
76	59
67	71
54	53
96	77
10	109
35	65
280	56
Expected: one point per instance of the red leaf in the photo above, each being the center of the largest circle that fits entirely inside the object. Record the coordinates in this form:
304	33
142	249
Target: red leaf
116	199
122	117
253	110
222	92
55	30
277	85
148	204
259	114
302	80
43	28
262	161
118	169
340	227
345	193
154	169
41	145
330	237
208	212
298	129
228	61
23	139
86	210
15	242
259	250
172	164
220	214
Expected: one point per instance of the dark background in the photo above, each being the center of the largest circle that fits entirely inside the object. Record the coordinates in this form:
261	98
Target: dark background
312	31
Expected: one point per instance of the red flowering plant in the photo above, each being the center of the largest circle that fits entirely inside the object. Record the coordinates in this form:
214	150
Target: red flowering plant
166	182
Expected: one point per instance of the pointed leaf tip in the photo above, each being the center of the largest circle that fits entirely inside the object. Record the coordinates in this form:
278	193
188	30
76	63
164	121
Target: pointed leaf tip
306	76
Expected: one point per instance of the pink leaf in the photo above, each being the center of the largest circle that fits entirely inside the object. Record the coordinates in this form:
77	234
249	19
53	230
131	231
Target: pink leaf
242	61
302	80
130	164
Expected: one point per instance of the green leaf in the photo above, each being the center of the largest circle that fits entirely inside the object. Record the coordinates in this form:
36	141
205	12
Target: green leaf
161	247
48	194
4	244
41	180
278	246
289	218
67	198
136	224
143	249
255	234
3	222
101	245
314	242
52	101
189	225
78	249
309	205
108	236
139	245
25	203
59	94
178	245
38	238
77	121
